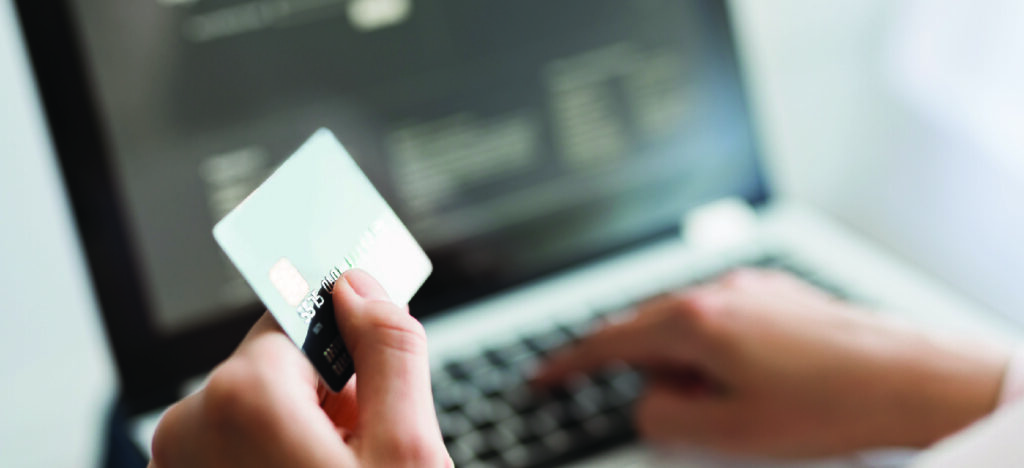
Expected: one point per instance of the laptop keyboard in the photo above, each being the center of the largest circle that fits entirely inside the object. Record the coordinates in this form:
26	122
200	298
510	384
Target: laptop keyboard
489	416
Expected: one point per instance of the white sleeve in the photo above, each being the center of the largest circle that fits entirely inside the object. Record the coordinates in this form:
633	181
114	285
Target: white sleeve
993	442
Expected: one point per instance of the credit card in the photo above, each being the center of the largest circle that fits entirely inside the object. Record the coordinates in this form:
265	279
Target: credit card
293	237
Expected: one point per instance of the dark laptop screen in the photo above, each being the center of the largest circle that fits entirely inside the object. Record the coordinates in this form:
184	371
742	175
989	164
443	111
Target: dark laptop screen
512	137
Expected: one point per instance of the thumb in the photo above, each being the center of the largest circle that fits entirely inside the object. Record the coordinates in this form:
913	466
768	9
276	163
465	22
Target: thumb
397	423
365	286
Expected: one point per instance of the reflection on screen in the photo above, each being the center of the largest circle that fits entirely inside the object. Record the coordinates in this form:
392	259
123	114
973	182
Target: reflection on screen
512	137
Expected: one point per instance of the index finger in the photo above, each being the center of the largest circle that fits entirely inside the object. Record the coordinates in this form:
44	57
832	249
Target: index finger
267	343
659	334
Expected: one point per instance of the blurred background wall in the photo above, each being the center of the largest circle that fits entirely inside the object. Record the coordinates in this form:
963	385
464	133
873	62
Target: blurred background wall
56	374
898	117
903	119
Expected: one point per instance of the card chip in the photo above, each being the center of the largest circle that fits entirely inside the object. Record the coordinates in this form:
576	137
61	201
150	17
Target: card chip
288	282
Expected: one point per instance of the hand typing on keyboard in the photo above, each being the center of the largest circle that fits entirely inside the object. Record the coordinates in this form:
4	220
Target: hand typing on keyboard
759	362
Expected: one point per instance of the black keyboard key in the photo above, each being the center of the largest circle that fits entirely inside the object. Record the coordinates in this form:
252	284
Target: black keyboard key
616	398
464	368
490	381
544	343
454	425
467	448
600	425
517	427
622	418
514	355
459	453
580	329
627	382
500	438
586	403
530	454
566	439
559	412
486	411
614	307
490	459
541	422
561	393
516	456
451	395
521	398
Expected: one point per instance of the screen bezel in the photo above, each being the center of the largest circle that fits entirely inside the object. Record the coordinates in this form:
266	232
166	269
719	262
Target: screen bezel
153	366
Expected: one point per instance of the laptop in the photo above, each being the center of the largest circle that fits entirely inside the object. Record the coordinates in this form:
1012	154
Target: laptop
561	161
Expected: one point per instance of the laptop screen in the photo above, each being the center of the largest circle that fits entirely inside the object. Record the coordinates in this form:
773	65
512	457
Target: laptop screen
513	138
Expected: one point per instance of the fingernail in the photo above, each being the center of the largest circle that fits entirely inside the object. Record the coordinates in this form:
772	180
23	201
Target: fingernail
365	285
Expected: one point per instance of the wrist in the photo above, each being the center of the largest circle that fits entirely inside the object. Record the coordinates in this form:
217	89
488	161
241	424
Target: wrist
942	385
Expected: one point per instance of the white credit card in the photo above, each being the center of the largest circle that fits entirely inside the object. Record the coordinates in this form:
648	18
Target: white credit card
314	218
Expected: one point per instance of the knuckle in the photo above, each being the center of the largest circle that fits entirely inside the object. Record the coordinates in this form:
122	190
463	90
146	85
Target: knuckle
389	327
695	310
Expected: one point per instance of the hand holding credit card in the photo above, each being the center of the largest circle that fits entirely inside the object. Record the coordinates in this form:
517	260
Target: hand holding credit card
294	236
265	407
